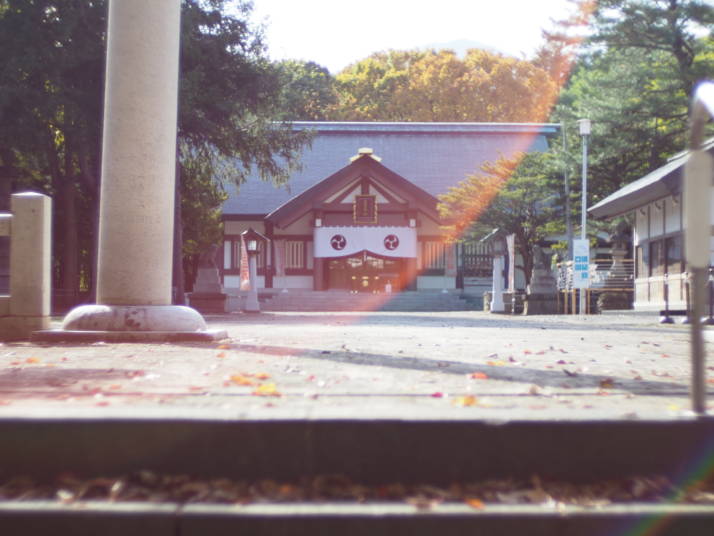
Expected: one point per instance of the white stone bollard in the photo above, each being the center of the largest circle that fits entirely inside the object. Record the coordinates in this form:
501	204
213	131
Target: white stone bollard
28	306
497	305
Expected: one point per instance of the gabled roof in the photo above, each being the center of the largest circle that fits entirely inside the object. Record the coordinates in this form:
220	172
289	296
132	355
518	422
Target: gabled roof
365	165
663	181
432	156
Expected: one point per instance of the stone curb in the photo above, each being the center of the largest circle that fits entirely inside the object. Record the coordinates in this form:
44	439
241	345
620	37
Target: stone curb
139	519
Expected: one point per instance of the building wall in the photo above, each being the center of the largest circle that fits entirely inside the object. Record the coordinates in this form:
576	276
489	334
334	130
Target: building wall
659	254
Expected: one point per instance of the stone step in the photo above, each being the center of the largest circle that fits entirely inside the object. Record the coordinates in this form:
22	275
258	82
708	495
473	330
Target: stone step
407	451
344	301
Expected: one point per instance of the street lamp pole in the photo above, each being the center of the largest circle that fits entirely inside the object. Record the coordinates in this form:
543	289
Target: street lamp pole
584	125
566	181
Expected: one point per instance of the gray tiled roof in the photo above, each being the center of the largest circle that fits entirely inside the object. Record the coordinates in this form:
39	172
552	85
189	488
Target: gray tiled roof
433	156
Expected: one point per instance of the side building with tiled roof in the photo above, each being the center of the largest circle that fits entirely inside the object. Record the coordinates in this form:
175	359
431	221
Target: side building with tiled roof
654	203
361	213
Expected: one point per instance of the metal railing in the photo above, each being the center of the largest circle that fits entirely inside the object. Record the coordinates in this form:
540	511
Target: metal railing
606	275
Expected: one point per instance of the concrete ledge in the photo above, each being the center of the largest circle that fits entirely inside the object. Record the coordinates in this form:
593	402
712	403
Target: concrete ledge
388	519
75	336
368	451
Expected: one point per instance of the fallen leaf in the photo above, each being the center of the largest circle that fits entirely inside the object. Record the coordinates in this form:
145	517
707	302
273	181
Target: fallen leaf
32	360
607	383
262	376
474	503
221	355
240	379
479	376
527	352
437	395
267	389
665	355
495	363
223	346
464	401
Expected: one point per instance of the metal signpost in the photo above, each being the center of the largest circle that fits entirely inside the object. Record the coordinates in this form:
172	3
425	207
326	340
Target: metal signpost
698	175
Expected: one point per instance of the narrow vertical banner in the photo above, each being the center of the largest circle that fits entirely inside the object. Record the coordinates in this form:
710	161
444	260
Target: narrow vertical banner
244	266
581	263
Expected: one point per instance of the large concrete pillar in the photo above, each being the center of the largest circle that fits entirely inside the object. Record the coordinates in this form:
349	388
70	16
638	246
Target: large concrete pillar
138	175
139	153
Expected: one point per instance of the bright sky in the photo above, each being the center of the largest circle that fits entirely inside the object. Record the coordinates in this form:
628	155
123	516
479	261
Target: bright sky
335	33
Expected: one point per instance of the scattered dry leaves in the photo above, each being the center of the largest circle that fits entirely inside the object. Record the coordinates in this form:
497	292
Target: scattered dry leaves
241	379
153	487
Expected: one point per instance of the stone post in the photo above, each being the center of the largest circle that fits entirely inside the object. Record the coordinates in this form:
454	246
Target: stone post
138	175
30	257
497	305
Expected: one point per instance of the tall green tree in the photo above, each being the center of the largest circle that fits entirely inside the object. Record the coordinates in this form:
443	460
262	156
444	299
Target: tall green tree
308	90
521	196
633	78
440	86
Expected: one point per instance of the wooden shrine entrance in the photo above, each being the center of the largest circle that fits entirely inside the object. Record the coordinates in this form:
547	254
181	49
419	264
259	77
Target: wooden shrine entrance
364	272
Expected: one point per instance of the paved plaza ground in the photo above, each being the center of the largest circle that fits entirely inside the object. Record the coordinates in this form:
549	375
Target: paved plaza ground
454	365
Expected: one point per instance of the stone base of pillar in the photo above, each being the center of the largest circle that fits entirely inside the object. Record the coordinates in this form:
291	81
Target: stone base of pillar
208	302
541	304
131	323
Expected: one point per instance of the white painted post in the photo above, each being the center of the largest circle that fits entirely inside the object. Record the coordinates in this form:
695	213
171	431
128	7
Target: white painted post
30	258
497	305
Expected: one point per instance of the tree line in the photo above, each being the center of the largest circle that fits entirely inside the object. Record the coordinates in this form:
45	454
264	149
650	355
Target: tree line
628	65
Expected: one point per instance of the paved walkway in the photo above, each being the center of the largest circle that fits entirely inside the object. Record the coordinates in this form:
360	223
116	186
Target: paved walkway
455	365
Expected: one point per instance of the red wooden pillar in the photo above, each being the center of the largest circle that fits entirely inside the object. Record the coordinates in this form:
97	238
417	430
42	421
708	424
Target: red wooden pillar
411	273
319	273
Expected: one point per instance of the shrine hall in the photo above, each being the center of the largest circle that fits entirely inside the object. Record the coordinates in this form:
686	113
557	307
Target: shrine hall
361	212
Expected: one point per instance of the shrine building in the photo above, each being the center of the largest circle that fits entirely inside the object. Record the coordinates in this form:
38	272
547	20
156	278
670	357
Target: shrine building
361	212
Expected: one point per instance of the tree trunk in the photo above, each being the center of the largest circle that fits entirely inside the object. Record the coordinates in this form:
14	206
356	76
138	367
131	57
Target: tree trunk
69	257
178	275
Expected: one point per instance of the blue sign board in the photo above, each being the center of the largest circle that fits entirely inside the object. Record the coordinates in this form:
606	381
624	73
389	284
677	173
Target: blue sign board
581	263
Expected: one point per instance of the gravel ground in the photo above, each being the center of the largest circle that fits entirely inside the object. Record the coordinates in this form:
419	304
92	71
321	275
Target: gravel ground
454	365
